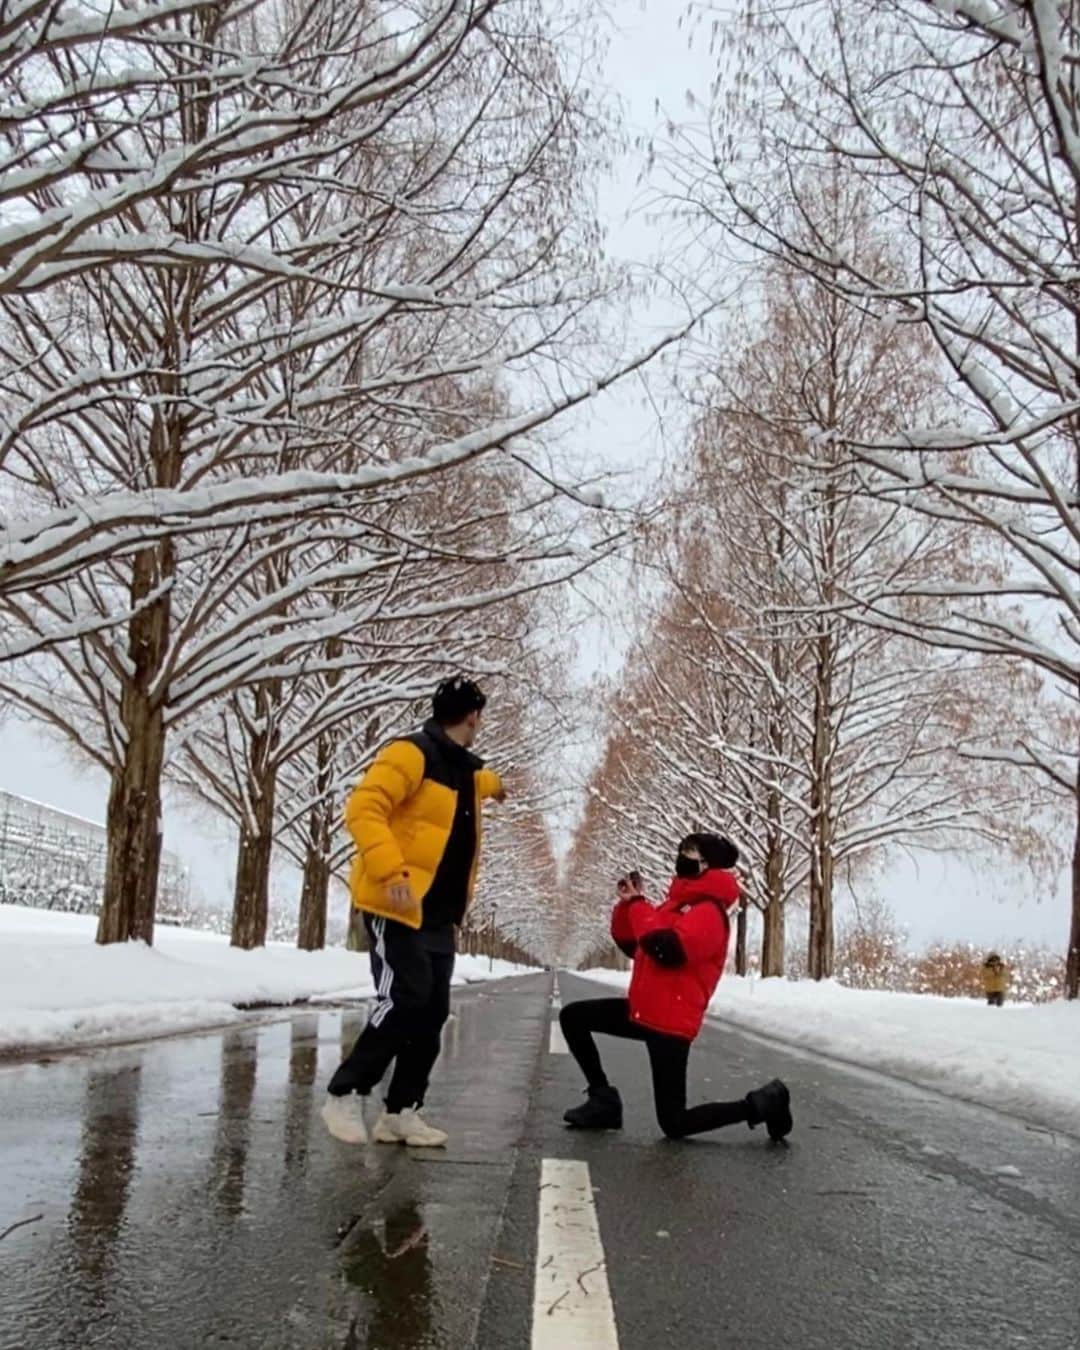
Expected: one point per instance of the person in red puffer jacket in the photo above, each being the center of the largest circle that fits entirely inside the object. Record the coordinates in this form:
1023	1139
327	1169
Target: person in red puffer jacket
679	948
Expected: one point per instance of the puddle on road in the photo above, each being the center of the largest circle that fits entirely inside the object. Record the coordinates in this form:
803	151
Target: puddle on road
388	1258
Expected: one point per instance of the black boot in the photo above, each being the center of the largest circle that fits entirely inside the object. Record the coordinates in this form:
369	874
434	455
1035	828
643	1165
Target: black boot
602	1110
771	1104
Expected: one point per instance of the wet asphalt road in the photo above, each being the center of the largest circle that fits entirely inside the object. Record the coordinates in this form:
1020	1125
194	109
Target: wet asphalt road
189	1196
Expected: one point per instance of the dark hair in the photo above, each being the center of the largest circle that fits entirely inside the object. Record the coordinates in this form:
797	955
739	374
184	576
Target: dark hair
455	699
714	848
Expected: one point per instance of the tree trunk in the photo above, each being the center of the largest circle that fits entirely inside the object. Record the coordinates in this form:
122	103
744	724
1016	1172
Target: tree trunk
822	937
251	898
313	895
133	822
740	941
1072	956
133	828
819	963
820	956
311	934
772	941
820	953
1072	961
356	940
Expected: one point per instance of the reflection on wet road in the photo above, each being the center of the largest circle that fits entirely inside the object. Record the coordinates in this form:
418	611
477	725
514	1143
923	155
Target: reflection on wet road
189	1196
185	1194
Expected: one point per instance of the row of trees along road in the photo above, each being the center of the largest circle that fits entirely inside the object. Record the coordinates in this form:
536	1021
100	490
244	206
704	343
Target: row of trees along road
286	291
955	125
952	127
759	700
277	281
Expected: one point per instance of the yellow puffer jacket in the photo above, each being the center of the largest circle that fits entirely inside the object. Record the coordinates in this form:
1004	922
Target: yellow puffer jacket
995	979
400	819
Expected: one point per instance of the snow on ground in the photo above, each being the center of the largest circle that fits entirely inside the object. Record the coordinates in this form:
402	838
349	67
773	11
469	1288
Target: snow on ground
1023	1058
59	989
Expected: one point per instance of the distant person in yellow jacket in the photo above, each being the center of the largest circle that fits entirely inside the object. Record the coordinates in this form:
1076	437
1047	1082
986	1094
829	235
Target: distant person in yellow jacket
995	978
415	818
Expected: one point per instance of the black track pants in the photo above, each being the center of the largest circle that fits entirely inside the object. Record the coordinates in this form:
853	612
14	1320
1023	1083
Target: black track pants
668	1057
412	971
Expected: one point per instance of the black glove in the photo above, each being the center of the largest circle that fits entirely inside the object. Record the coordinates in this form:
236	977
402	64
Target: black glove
664	946
627	948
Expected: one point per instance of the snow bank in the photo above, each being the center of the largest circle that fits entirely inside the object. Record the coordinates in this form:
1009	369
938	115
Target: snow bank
1022	1058
59	989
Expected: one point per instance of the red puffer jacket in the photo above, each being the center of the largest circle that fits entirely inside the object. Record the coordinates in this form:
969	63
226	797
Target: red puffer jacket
673	999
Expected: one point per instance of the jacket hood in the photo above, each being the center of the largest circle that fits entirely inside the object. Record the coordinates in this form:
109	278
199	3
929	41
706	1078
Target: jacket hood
717	885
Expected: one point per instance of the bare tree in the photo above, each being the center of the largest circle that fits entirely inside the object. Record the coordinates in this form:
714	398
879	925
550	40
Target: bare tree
266	82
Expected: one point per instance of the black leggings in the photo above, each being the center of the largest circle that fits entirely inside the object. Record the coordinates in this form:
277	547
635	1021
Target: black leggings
668	1056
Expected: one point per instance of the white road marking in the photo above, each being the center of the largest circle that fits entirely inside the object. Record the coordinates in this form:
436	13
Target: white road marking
557	1041
571	1300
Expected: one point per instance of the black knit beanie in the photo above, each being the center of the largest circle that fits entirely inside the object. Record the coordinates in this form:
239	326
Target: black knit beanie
714	848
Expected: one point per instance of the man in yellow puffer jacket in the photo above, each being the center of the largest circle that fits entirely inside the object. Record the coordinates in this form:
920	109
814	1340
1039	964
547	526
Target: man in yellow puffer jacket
415	818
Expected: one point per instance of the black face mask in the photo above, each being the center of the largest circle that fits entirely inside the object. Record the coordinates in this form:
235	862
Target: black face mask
688	867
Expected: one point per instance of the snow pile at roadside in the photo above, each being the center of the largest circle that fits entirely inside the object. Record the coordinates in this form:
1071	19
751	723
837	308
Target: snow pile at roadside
58	988
1022	1058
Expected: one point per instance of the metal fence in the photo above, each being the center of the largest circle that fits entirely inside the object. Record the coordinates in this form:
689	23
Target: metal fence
51	859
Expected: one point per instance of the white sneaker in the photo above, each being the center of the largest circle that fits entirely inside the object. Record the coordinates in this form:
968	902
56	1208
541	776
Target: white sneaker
344	1118
408	1127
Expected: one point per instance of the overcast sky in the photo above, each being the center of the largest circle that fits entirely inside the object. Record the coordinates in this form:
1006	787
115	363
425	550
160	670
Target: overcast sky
648	63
